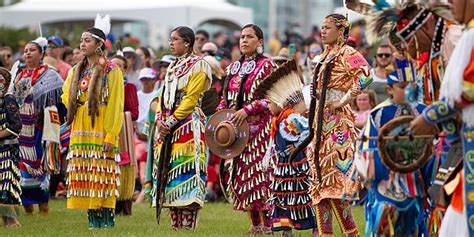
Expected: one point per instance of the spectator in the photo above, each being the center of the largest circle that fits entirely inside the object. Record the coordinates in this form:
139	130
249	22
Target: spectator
315	49
76	55
224	56
161	67
274	44
55	50
201	37
209	48
145	56
133	69
220	38
383	60
145	96
68	56
362	105
7	54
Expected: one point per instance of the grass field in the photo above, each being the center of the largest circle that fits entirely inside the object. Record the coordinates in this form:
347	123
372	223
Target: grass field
216	219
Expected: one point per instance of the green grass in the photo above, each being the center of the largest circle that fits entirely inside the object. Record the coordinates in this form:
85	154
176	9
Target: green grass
216	219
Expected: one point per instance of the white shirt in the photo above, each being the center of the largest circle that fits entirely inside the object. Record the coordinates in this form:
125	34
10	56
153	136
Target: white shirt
144	100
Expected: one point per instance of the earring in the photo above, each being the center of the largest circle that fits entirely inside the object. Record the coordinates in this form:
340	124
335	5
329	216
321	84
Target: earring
98	51
340	40
260	49
187	45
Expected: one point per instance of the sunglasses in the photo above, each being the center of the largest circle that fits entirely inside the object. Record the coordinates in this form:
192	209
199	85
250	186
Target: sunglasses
209	52
52	46
314	51
384	55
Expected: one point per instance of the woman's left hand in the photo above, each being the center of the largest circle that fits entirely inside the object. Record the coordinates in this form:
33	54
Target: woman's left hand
239	117
108	147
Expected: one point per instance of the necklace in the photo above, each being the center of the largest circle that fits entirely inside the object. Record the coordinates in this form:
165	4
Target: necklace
180	61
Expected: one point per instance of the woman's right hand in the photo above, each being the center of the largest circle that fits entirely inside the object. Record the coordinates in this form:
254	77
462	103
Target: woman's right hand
162	130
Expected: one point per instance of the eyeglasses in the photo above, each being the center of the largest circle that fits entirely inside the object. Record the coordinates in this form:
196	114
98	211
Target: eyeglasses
52	46
174	39
384	55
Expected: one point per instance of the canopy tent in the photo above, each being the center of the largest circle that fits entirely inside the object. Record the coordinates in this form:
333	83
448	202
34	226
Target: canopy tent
161	16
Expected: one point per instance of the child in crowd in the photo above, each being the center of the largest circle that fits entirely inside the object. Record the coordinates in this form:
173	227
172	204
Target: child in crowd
363	104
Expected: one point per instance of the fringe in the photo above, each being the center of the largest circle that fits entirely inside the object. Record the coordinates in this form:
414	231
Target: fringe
52	156
127	182
184	168
101	218
184	187
46	99
9	180
92	151
91	173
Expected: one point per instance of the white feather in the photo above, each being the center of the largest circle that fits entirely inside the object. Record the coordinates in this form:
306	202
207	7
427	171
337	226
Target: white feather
120	53
41	41
102	24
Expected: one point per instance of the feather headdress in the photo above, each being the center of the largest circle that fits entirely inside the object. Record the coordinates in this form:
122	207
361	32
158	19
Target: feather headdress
401	19
283	86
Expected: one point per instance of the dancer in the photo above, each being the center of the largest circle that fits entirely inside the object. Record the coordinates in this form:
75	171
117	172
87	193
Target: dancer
37	89
249	183
93	94
456	102
395	200
290	199
10	121
180	152
341	75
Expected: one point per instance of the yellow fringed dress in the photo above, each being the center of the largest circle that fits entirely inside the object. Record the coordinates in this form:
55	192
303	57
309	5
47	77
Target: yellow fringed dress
93	176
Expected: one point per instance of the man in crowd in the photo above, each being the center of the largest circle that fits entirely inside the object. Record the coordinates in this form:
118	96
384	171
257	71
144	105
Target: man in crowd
55	50
201	37
383	65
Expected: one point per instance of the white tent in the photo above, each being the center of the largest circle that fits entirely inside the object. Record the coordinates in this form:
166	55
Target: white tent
160	15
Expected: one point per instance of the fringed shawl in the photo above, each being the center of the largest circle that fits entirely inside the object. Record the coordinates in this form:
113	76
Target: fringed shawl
47	90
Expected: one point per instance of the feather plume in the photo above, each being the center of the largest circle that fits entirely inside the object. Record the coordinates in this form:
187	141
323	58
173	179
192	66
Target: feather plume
283	86
102	24
381	4
358	6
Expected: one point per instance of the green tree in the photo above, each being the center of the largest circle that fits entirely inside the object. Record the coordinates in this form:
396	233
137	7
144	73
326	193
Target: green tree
15	37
